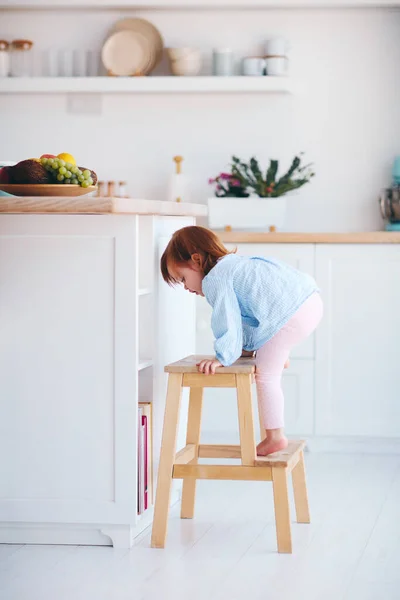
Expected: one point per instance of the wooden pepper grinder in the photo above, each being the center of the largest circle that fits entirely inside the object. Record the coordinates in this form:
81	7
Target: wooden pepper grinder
178	178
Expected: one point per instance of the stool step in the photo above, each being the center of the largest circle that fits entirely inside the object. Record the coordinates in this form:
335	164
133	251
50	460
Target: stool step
227	472
219	451
286	459
189	365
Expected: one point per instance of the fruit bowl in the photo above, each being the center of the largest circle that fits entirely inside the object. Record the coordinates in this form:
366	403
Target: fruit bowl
45	189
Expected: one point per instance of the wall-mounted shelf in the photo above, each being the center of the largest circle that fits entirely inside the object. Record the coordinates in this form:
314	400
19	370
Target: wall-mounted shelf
146	85
192	4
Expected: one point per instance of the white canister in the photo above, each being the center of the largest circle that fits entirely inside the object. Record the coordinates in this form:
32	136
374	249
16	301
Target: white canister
276	46
4	58
223	62
253	66
276	66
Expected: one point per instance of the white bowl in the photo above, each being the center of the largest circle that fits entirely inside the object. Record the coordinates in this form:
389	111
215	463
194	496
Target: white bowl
177	53
189	64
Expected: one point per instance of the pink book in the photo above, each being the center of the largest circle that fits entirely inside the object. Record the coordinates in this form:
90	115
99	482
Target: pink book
146	463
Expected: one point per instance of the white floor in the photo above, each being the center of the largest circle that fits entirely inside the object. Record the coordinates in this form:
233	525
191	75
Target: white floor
351	551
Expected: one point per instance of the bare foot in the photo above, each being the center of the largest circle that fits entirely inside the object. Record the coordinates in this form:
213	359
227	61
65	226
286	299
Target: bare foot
269	446
286	365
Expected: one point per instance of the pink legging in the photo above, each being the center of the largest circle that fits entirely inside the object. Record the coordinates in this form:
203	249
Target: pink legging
271	358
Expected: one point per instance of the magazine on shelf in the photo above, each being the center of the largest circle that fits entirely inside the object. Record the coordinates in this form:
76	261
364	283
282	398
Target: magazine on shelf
145	462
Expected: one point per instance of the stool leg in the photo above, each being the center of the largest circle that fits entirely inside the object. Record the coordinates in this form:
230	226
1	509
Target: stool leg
246	425
262	428
167	456
300	491
192	437
282	511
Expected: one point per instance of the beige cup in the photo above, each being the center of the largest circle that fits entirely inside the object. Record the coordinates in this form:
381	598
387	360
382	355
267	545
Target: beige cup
184	61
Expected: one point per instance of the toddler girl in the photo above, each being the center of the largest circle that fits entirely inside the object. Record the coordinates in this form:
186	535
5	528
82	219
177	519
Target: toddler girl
259	305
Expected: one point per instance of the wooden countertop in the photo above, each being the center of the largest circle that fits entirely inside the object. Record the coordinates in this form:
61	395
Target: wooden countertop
359	237
93	205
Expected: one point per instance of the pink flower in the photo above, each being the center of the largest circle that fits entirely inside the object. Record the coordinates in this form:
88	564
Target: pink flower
235	182
219	187
211	181
225	175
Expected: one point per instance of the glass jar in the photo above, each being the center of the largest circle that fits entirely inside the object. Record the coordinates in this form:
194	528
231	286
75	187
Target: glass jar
21	58
4	58
122	192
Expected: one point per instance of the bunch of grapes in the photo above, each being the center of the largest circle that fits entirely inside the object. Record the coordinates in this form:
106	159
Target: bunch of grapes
65	172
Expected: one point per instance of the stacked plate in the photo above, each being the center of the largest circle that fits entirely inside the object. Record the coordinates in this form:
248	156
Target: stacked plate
134	47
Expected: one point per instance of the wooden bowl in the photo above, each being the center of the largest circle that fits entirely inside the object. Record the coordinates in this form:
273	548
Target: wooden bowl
47	189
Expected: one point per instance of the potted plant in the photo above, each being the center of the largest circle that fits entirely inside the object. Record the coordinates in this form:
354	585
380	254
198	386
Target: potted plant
246	198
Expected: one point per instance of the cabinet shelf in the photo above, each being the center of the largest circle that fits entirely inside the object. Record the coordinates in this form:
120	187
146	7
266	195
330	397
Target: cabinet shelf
145	363
144	291
145	85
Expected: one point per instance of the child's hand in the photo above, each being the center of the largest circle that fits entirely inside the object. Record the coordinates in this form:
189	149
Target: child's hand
208	366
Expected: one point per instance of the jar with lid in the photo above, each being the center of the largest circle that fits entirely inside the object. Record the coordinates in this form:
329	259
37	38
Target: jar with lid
123	192
21	58
4	58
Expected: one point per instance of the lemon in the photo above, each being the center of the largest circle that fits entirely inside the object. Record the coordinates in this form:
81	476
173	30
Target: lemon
67	157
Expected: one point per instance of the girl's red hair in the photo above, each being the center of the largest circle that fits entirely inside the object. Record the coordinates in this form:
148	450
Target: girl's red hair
189	241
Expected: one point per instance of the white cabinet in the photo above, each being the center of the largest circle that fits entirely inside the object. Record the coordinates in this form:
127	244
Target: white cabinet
357	343
87	326
220	411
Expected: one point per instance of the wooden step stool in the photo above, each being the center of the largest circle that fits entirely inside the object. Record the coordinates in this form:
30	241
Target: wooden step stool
184	465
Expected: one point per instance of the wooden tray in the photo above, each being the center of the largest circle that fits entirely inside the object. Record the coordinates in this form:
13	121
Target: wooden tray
47	189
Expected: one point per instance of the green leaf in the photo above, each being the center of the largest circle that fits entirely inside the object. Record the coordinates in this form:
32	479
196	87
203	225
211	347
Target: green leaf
271	173
255	169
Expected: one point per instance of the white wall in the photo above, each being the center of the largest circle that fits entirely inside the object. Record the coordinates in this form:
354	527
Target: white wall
347	117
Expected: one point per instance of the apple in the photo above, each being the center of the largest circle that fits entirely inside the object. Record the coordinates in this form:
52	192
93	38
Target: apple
4	175
48	156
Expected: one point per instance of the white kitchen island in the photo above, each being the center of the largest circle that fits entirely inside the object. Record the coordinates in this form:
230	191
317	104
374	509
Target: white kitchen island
87	325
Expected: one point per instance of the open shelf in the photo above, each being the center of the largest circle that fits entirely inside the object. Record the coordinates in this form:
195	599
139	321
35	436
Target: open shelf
145	363
144	291
192	4
145	85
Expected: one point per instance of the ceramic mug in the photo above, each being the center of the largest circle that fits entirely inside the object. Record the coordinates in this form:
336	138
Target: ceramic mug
276	66
184	61
276	46
253	66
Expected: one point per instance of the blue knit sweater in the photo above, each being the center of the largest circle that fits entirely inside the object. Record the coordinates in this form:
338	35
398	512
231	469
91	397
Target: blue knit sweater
252	298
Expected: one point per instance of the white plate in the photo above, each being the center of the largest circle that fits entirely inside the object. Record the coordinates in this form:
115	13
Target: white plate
125	53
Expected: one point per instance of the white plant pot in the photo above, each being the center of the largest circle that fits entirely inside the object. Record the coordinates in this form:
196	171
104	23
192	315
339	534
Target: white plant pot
246	213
